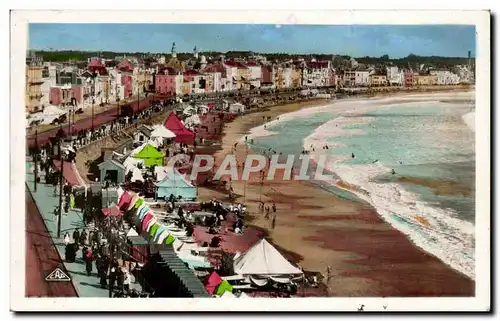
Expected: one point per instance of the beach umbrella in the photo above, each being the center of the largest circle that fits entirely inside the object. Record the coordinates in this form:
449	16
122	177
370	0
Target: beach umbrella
143	212
164	234
131	204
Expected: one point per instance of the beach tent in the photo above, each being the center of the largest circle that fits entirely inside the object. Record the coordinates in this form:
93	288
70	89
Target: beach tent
224	286
182	133
163	132
52	110
264	259
237	108
228	295
150	155
174	183
192	121
212	282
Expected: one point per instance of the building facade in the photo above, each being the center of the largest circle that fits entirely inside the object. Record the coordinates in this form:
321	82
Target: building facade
34	88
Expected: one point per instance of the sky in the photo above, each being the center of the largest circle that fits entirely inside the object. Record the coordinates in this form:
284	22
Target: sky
354	40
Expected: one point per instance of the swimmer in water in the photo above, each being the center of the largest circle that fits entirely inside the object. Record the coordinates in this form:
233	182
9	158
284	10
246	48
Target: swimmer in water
352	155
393	172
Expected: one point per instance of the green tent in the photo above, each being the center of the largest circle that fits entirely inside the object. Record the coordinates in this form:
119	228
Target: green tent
170	239
223	287
139	202
150	155
154	228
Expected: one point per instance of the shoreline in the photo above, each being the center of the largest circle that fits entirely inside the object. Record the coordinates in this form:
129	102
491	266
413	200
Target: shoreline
368	257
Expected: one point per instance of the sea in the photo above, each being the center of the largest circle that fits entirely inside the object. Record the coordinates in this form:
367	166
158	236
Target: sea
411	157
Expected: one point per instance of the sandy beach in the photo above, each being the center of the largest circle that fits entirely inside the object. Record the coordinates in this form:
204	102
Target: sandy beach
366	255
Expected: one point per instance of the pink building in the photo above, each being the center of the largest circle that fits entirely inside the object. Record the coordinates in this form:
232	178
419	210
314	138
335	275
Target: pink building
165	84
127	85
55	96
266	74
77	93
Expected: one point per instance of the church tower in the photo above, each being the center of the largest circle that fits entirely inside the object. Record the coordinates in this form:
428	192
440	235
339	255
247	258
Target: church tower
195	53
174	53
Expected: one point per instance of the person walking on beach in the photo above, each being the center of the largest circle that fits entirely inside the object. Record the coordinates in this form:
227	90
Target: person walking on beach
273	223
328	273
274	208
267	212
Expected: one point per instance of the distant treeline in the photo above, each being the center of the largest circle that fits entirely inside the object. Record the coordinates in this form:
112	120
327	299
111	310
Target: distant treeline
339	60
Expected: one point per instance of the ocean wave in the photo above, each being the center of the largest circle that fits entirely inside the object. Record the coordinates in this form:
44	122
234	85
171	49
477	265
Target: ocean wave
437	231
470	120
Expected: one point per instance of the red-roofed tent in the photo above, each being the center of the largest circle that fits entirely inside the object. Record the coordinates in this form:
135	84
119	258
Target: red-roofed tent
182	133
212	282
112	211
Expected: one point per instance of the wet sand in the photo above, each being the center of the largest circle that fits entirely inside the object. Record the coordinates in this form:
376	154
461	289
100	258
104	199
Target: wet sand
366	255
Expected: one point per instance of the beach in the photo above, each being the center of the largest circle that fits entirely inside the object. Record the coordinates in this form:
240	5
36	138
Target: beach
367	256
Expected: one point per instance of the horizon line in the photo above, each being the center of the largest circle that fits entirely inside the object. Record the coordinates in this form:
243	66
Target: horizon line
253	52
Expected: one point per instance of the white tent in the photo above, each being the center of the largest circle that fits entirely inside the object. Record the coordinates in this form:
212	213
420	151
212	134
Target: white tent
162	171
162	131
52	110
190	110
137	175
228	295
237	108
264	259
193	120
130	163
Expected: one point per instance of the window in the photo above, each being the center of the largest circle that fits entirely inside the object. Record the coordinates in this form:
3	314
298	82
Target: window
141	138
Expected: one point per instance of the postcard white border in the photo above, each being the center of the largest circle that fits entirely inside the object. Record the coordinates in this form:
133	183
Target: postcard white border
19	33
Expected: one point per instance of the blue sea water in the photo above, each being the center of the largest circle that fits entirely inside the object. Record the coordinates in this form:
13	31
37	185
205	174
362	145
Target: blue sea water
425	142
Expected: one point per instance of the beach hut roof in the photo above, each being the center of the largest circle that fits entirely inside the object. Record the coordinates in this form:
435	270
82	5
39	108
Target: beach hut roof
149	151
174	179
263	259
161	131
212	282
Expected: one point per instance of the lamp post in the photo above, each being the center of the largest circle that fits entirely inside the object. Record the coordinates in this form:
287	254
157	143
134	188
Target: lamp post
35	157
61	177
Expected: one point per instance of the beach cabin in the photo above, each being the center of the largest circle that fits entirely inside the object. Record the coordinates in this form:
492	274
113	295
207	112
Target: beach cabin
150	155
142	134
173	183
182	133
237	108
112	170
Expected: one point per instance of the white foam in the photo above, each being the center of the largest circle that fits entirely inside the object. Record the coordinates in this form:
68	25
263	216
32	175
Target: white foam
445	236
470	120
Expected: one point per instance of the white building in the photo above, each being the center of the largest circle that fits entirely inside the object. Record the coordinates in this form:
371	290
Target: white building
230	81
255	73
362	78
316	73
287	77
445	77
395	77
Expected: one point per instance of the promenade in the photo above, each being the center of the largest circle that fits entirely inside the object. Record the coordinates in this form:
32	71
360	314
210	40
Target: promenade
85	286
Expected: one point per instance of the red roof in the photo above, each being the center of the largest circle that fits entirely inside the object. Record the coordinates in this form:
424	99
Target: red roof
95	63
69	172
231	63
125	65
212	282
100	69
191	73
317	64
214	68
112	211
183	134
252	64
